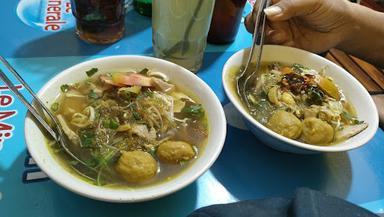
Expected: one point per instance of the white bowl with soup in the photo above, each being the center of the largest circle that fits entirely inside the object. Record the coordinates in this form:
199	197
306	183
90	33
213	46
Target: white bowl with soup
302	102
140	128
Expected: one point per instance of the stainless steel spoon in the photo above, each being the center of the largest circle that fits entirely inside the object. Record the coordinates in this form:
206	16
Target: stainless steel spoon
38	110
249	73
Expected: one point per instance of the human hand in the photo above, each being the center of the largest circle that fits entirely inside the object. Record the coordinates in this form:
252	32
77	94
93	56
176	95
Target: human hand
313	25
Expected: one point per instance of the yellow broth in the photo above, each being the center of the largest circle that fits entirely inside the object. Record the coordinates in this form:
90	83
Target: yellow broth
300	103
168	173
128	119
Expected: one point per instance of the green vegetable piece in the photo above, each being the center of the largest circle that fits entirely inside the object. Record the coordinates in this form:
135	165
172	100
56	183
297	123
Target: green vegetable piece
351	119
136	115
144	71
105	123
152	151
87	139
298	67
95	160
99	182
55	107
315	96
110	124
194	110
91	72
129	92
93	95
148	93
64	88
113	124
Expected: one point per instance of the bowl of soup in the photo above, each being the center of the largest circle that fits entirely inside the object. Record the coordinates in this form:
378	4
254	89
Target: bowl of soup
300	102
136	128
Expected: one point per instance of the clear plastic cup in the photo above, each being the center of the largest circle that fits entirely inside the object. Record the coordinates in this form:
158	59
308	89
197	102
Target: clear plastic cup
180	29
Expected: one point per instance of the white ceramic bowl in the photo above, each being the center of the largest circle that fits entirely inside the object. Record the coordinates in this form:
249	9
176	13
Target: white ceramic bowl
352	89
178	75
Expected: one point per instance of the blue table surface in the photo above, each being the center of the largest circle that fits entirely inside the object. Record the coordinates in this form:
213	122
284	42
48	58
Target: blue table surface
246	168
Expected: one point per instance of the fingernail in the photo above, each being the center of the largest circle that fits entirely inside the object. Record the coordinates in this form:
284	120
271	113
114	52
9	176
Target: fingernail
273	10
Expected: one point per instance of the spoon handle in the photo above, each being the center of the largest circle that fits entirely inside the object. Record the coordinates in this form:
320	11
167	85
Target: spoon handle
30	108
26	86
57	135
258	34
255	52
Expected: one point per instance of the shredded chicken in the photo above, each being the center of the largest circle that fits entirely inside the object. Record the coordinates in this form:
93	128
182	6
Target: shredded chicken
142	131
72	136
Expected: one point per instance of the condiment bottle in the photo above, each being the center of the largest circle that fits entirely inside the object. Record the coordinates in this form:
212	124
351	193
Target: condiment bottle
225	22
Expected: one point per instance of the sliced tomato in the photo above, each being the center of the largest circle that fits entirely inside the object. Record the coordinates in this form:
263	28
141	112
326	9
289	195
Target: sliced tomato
132	79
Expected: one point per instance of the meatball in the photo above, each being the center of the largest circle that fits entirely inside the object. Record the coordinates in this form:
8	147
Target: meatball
273	95
136	166
285	124
174	152
316	131
288	99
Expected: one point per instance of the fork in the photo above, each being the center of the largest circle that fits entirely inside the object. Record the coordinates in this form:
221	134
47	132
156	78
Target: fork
247	74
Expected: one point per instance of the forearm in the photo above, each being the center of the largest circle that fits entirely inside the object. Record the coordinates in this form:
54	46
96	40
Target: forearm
365	37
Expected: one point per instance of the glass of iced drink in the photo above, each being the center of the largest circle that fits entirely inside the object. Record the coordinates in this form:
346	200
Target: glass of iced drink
99	21
180	29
